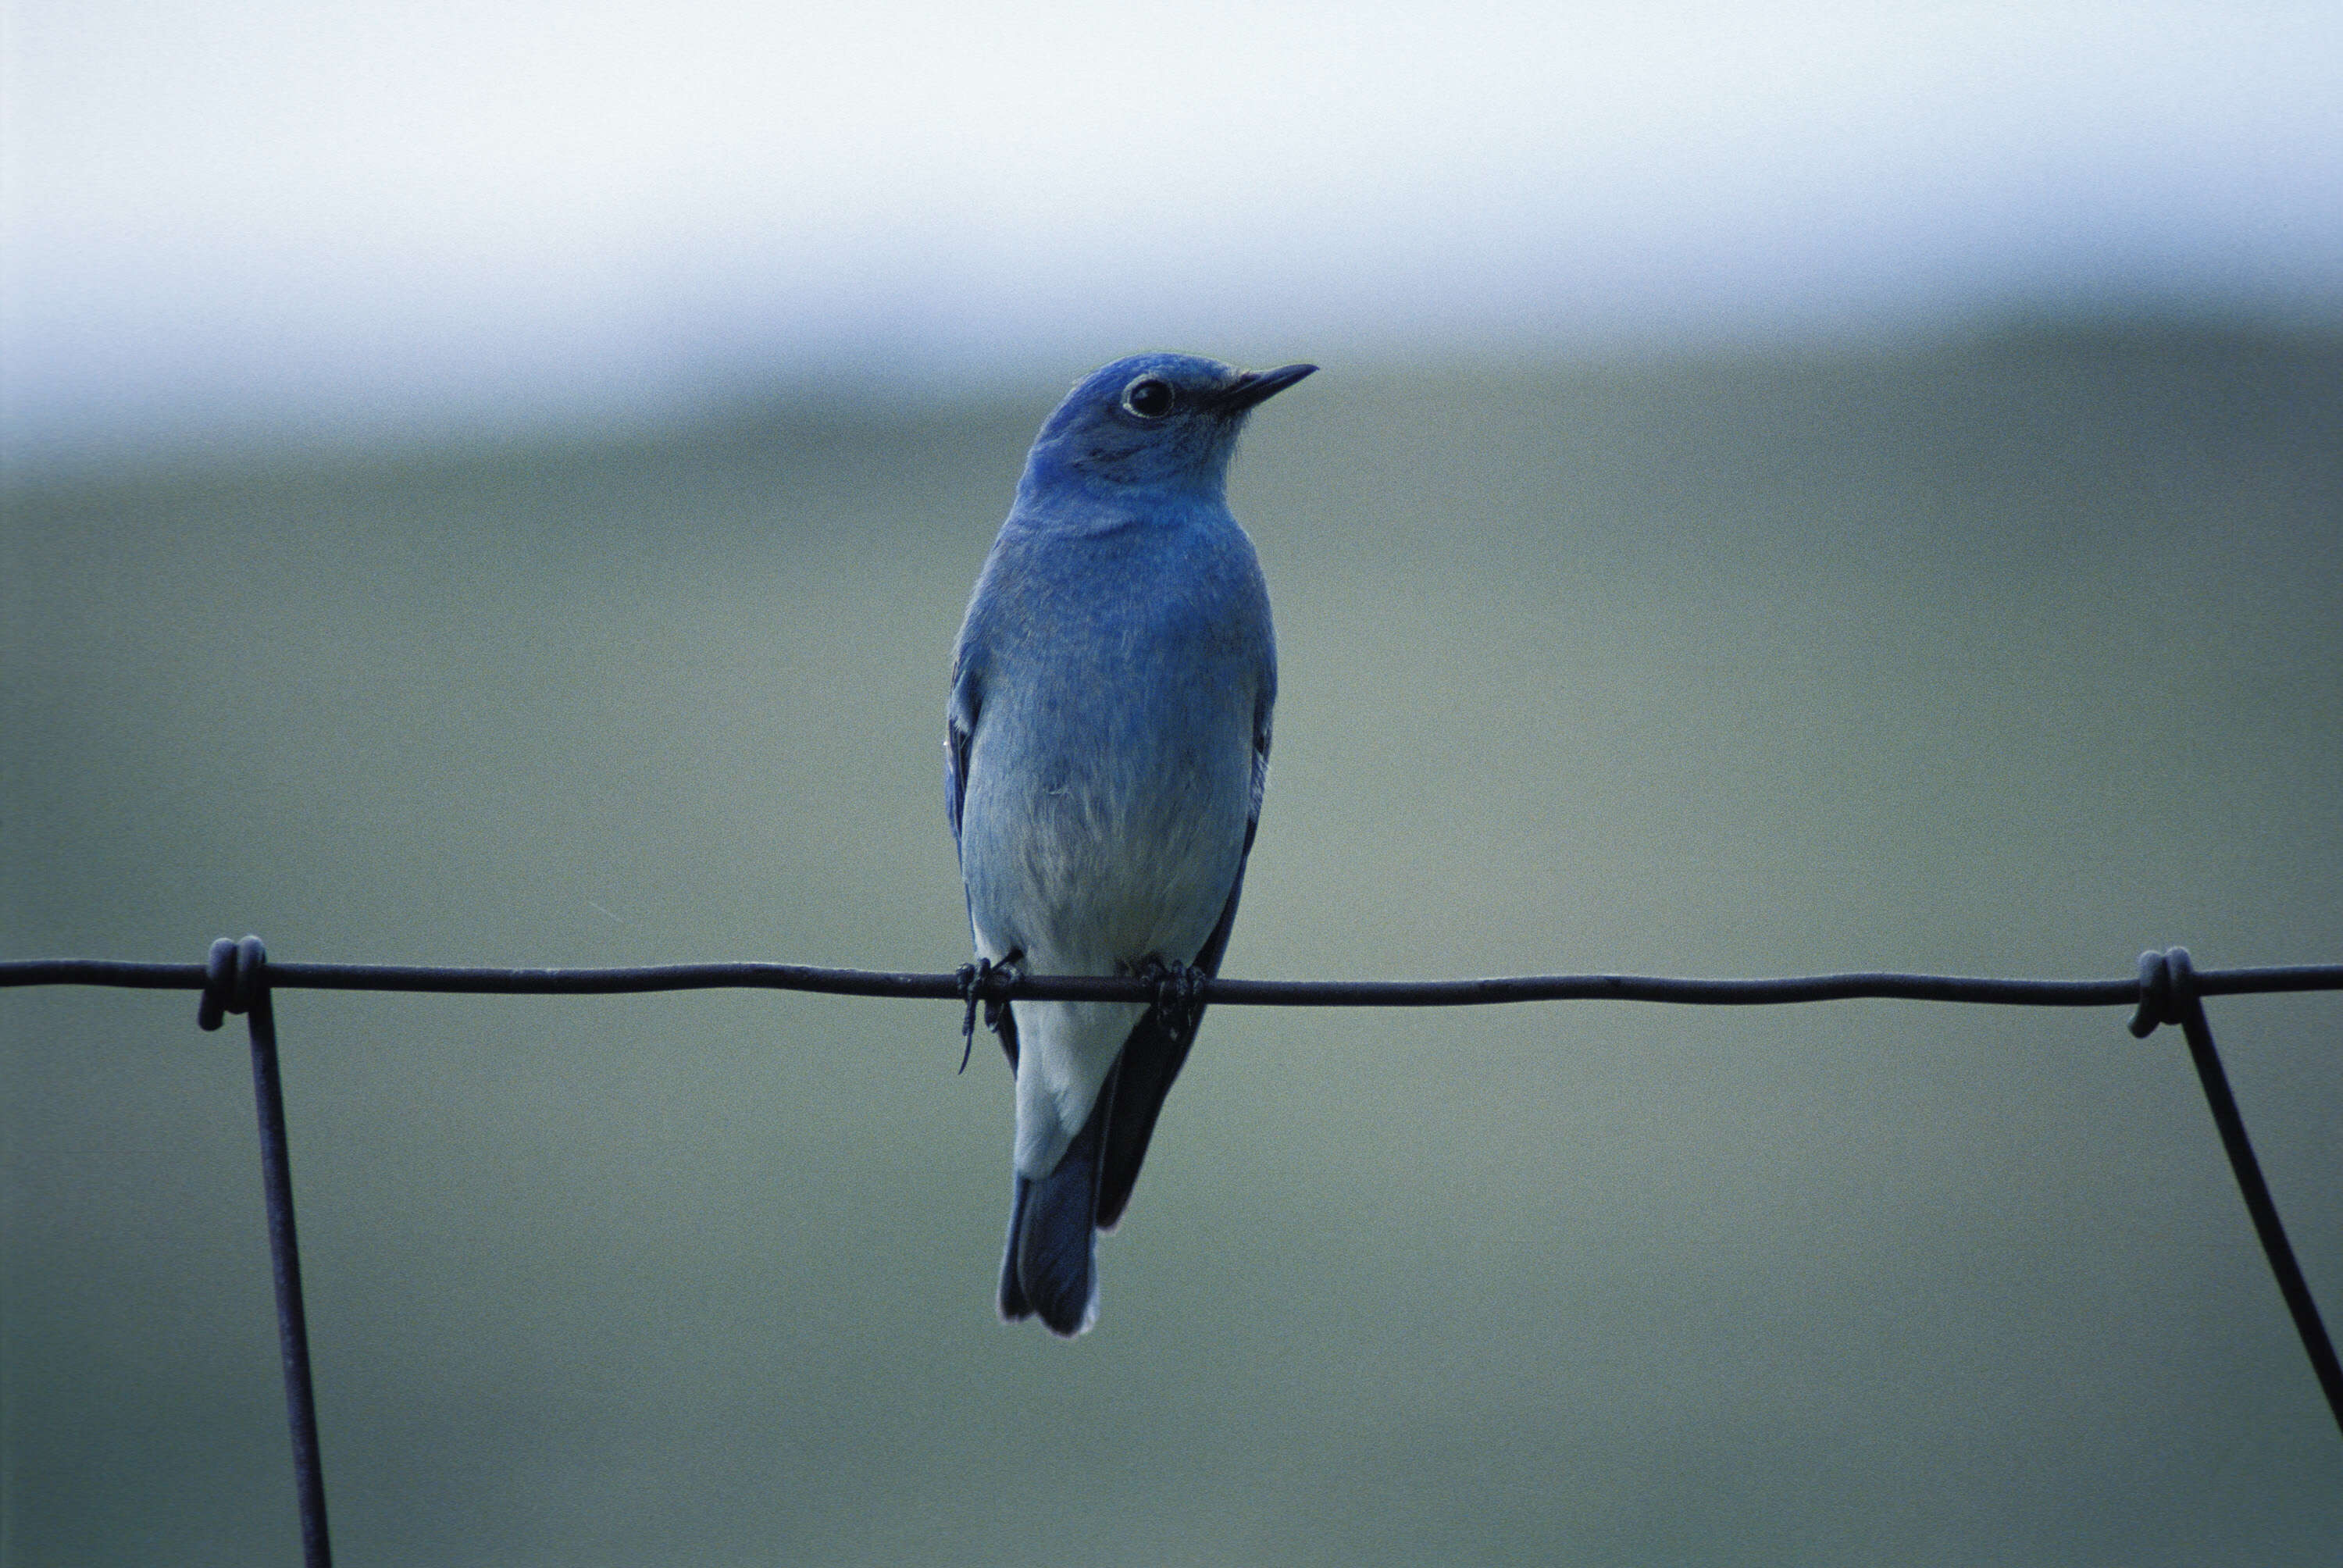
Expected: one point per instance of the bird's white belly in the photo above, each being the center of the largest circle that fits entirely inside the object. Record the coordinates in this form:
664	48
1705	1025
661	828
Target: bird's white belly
1086	879
1098	888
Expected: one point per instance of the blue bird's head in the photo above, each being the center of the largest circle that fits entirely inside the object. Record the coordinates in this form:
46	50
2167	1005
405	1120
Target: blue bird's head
1165	422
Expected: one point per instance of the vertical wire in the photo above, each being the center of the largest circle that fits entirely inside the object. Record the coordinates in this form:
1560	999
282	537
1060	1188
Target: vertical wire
284	1252
2260	1205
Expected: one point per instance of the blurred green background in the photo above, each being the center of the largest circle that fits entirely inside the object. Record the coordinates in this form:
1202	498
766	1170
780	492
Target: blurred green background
2011	653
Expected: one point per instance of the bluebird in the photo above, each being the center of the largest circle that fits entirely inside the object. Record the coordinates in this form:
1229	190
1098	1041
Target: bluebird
1106	747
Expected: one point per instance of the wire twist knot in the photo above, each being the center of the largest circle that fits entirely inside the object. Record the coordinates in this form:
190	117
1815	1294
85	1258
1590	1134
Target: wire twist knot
2168	987
232	980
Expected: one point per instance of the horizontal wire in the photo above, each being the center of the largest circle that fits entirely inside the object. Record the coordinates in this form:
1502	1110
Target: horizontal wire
949	986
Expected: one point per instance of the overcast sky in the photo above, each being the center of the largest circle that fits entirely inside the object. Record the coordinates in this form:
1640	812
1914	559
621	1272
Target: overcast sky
276	213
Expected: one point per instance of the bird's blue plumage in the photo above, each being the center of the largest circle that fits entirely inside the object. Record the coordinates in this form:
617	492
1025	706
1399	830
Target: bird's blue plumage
1106	747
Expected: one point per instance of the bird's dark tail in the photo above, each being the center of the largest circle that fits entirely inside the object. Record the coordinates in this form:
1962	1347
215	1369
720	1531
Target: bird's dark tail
1050	1265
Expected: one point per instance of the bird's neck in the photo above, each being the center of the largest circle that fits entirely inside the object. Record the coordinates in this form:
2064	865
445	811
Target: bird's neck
1063	494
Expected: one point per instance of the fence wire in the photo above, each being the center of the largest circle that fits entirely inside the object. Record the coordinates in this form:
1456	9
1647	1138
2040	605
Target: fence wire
239	978
1001	985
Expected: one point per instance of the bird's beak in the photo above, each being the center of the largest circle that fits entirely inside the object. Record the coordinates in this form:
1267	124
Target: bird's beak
1259	386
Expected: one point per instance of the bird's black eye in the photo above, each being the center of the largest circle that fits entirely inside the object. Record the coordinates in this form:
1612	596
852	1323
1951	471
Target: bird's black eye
1149	397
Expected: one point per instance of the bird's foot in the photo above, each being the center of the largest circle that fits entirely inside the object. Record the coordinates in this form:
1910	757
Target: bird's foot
1179	995
988	983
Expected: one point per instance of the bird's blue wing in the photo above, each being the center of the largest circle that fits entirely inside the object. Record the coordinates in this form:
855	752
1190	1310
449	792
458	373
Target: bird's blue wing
960	730
960	733
956	741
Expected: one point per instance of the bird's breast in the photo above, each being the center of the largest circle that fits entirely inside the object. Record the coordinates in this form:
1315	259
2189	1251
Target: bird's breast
1104	840
1111	765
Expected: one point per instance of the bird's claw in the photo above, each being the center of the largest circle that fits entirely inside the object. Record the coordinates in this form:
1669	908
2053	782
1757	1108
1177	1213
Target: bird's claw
967	977
987	983
1179	995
